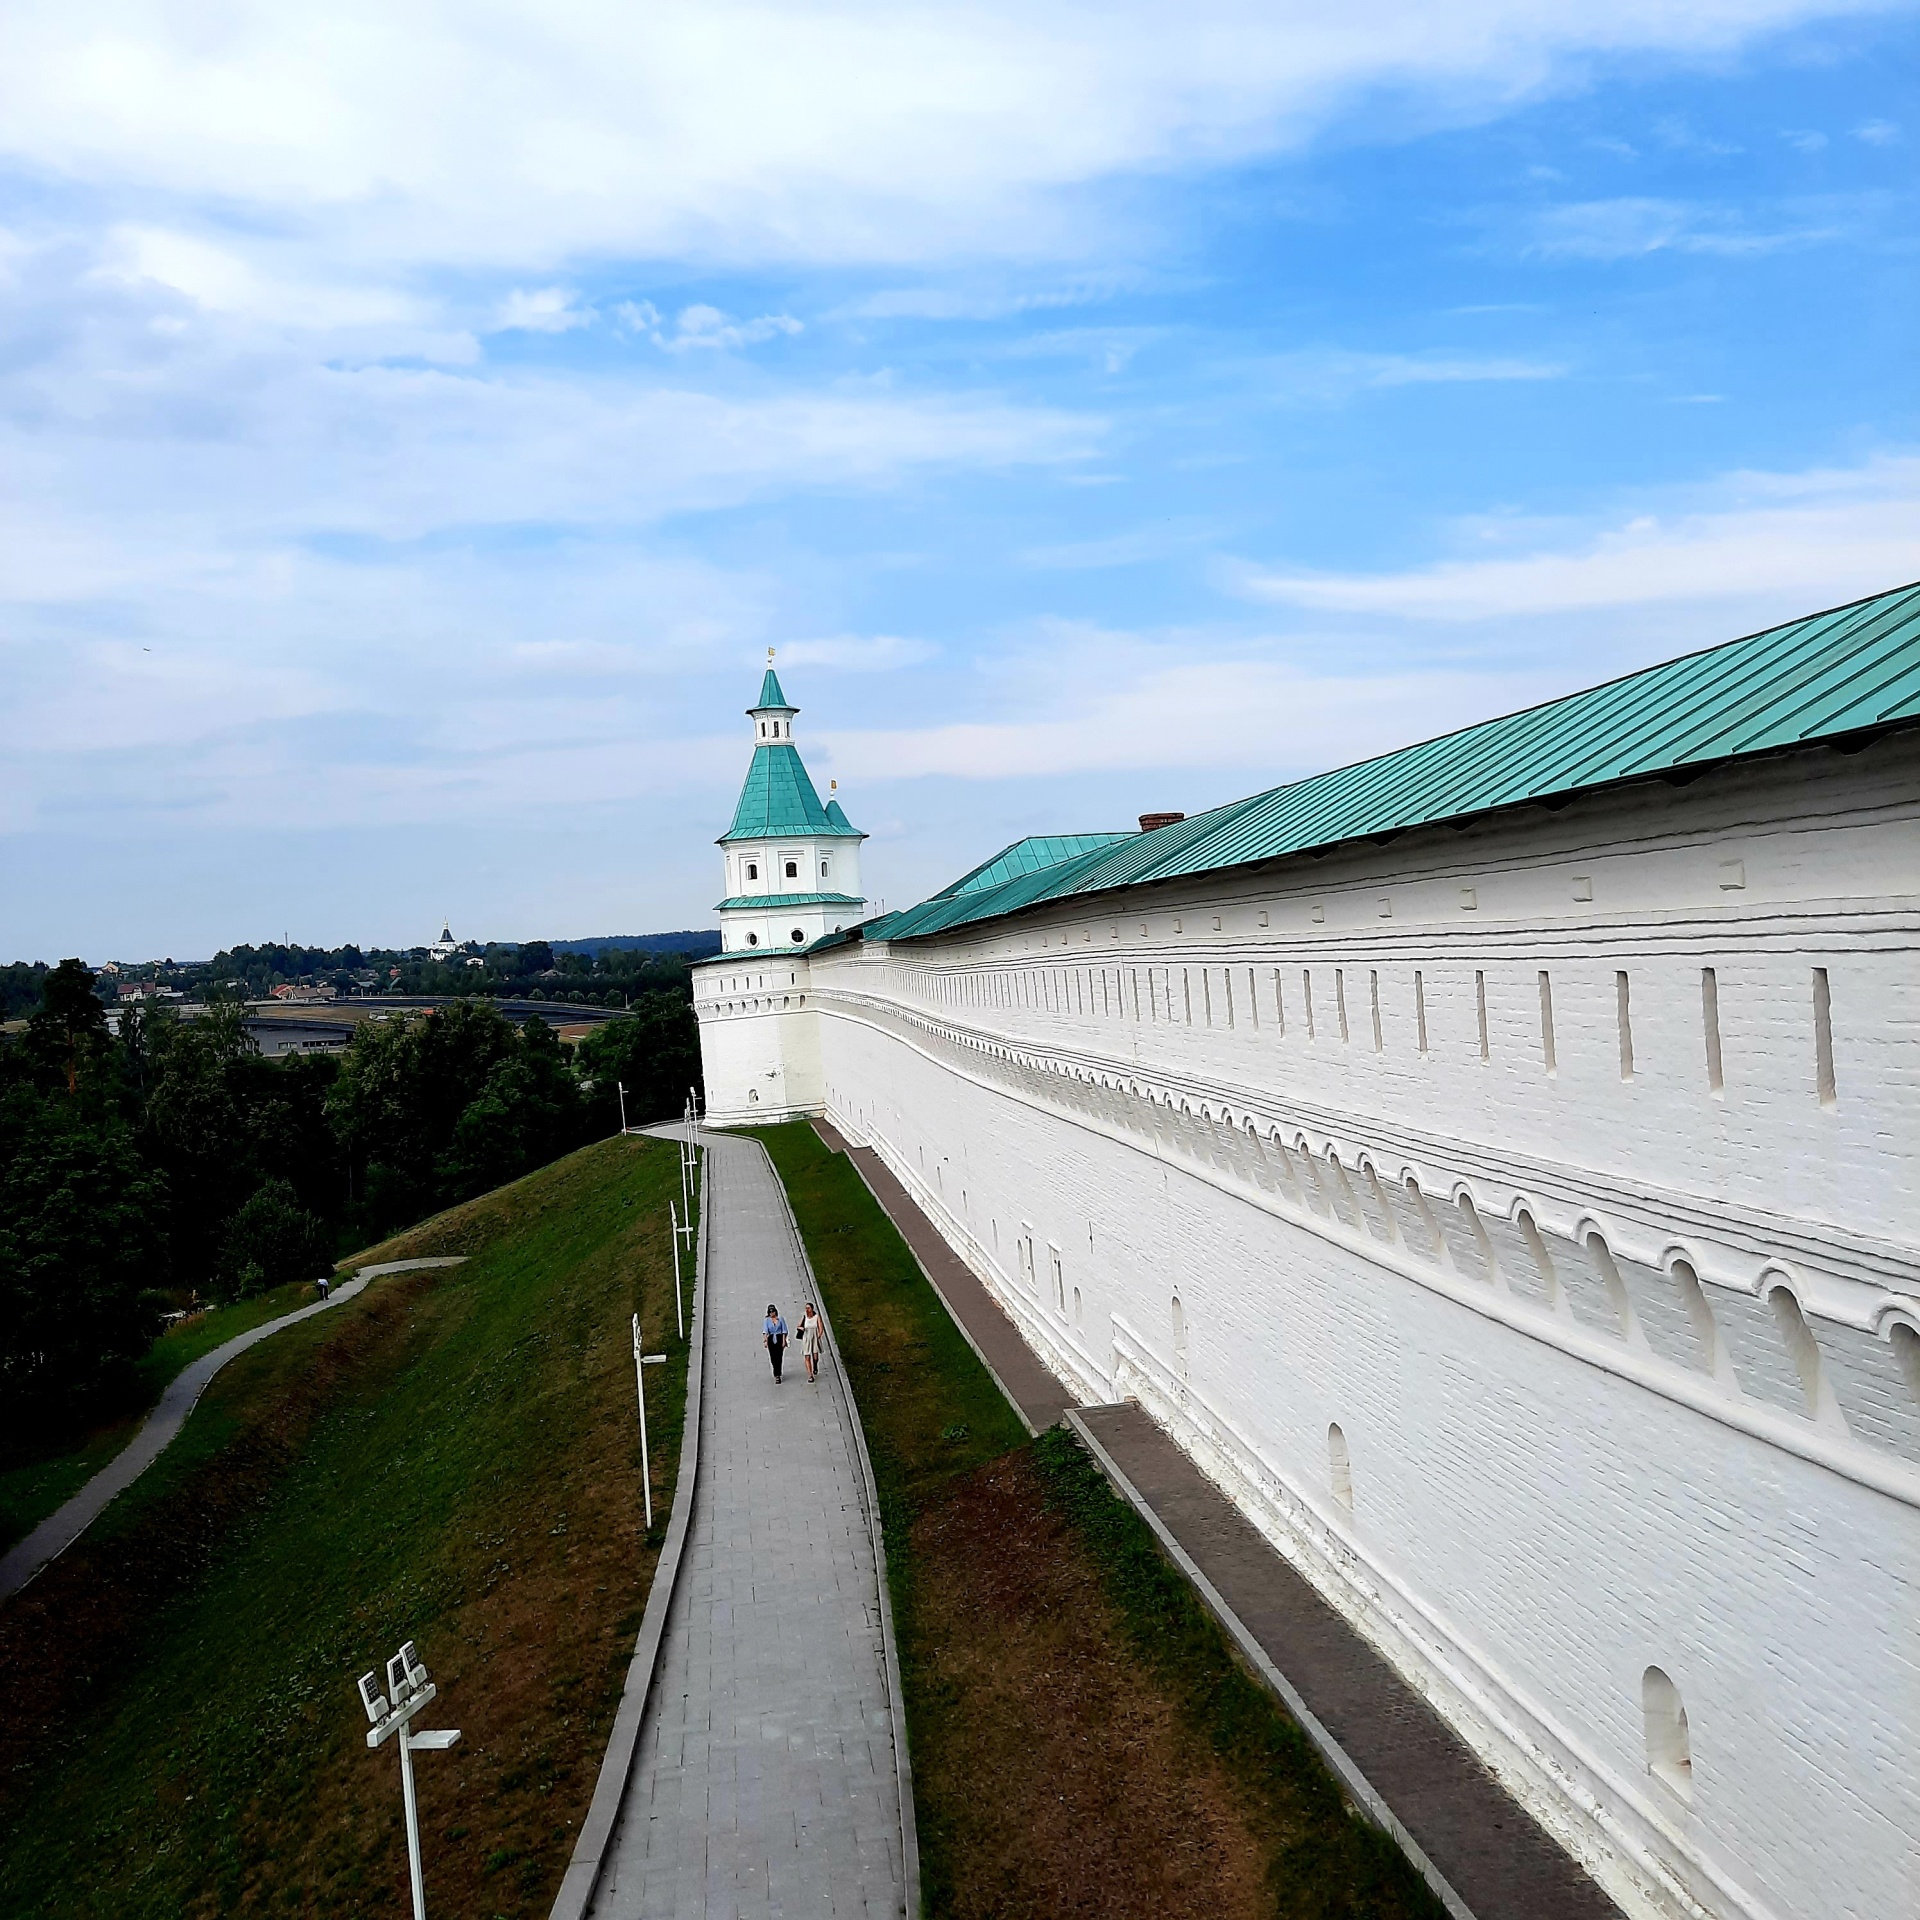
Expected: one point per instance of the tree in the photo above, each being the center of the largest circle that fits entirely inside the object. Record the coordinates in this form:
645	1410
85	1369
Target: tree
69	1032
82	1247
271	1240
654	1052
535	957
530	1112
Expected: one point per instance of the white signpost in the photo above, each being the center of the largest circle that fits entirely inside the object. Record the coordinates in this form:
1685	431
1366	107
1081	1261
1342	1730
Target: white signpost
408	1690
641	1362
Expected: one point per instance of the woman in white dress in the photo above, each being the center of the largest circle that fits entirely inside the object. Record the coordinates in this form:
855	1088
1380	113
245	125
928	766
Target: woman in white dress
813	1334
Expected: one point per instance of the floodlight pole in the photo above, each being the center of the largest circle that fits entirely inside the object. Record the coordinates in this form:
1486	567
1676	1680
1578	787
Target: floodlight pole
679	1313
410	1691
621	1084
413	1828
641	1362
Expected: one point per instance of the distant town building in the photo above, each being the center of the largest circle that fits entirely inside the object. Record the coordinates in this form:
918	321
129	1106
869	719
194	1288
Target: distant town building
445	947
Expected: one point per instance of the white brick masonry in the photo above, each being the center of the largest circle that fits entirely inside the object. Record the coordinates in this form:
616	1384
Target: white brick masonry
1566	1163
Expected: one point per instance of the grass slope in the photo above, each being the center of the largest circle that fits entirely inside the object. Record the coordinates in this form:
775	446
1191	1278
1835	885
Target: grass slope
1085	1739
451	1458
33	1483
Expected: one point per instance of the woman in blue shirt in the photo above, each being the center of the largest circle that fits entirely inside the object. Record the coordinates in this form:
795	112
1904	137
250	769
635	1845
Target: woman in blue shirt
776	1339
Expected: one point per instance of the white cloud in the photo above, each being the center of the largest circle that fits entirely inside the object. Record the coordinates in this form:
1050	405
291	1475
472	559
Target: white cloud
707	327
485	134
1629	227
1332	375
856	653
541	310
1878	133
1800	540
219	279
1265	720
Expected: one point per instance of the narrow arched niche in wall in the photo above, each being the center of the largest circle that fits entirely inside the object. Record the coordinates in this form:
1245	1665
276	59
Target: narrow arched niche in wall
1706	1329
1340	1469
1906	1350
1537	1252
1609	1277
1669	1741
1179	1337
1802	1348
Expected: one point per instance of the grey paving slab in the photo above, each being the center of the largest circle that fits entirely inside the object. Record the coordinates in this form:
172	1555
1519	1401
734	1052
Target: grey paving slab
766	1781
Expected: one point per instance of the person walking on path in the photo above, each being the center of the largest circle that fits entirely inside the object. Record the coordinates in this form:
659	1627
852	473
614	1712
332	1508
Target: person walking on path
776	1335
813	1333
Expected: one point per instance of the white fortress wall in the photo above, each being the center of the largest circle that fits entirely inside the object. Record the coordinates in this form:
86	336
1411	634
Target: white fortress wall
1582	1203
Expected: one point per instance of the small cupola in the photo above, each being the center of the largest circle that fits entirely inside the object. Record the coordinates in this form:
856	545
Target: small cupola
771	714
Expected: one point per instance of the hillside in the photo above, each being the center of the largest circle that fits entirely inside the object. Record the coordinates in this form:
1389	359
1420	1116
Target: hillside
450	1458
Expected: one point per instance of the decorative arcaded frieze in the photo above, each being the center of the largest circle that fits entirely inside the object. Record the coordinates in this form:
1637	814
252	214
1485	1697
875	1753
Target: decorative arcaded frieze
1677	1315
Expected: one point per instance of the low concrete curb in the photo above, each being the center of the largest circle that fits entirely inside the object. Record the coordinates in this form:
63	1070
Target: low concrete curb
1336	1756
610	1790
61	1528
903	1759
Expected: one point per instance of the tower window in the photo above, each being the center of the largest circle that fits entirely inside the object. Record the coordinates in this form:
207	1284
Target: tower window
796	936
793	869
753	870
753	939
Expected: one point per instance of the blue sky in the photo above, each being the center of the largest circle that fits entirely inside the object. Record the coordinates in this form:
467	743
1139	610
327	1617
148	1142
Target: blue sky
413	431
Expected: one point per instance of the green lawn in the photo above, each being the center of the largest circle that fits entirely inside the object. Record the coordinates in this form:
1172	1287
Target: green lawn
451	1458
31	1488
1050	1654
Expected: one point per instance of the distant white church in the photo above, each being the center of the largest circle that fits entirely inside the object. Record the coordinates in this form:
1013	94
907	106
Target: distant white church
1498	1164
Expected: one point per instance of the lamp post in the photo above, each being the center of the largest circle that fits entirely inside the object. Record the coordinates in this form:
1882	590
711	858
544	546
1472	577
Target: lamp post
641	1362
622	1085
679	1313
408	1690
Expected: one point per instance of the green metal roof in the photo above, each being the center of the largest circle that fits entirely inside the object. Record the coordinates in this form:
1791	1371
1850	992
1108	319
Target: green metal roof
1841	672
778	801
838	818
771	696
744	900
1030	855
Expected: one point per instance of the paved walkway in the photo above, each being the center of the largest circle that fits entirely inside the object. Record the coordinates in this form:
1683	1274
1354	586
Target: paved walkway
766	1780
1498	1862
61	1528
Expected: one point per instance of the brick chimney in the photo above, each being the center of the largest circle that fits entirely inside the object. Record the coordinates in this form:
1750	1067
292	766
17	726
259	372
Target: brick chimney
1149	821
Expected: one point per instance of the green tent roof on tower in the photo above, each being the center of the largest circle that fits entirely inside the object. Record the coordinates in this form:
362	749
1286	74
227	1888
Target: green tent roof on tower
778	799
771	696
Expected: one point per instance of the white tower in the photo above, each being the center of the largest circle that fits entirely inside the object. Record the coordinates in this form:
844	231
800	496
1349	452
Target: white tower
793	866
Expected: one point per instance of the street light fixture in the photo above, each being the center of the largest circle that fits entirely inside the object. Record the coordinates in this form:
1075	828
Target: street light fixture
642	1361
408	1690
